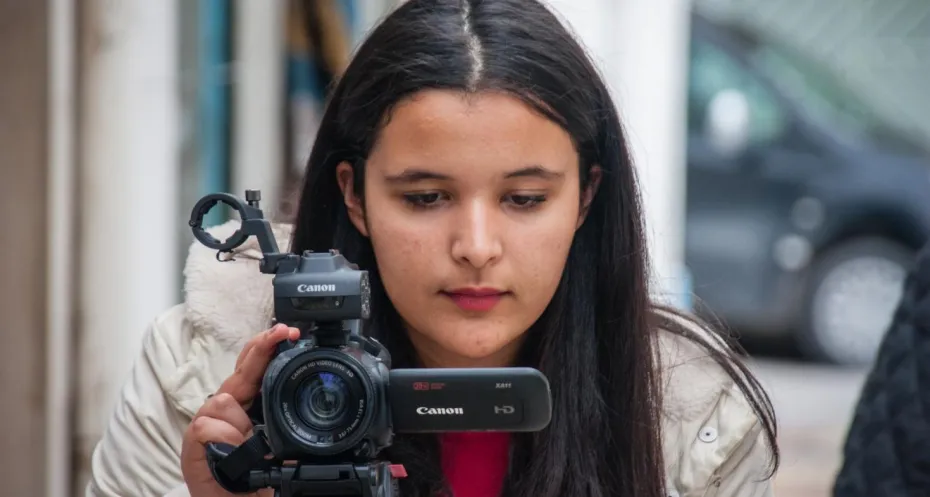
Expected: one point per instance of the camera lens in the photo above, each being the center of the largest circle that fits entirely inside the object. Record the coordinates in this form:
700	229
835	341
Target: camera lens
318	402
323	400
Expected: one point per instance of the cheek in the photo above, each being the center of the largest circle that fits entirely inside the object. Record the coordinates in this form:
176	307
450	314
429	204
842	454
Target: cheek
405	250
538	252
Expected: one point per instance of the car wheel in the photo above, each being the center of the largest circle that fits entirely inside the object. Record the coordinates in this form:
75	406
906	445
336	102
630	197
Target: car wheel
853	292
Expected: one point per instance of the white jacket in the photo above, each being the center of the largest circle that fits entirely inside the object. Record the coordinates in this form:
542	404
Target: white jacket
714	445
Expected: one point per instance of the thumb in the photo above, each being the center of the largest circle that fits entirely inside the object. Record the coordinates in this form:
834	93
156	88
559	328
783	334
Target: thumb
245	381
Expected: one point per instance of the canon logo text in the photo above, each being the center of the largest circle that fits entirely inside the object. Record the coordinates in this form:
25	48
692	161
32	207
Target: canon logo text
439	411
316	288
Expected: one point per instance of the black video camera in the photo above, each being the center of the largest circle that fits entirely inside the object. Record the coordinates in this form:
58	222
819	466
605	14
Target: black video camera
330	402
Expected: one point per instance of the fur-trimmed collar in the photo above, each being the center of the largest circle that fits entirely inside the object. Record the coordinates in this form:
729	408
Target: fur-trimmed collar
232	301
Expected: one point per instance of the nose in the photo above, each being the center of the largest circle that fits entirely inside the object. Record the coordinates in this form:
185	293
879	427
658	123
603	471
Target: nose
476	240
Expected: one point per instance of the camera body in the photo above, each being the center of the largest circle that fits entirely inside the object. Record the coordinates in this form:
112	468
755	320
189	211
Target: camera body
325	396
329	401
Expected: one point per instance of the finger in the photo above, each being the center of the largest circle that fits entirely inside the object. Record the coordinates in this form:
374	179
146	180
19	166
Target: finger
264	348
267	342
244	383
251	343
204	430
224	407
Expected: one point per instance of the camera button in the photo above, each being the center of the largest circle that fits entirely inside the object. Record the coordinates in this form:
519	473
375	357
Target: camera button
398	471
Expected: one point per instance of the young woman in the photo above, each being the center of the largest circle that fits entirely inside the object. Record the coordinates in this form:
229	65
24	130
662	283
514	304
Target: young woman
472	160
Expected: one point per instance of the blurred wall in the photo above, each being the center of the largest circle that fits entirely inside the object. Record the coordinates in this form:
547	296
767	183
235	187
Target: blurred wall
23	137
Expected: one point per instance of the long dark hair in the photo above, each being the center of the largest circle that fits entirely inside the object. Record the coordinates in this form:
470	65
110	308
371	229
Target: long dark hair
596	341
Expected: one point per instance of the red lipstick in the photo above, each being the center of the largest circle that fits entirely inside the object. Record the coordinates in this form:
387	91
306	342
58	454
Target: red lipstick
475	299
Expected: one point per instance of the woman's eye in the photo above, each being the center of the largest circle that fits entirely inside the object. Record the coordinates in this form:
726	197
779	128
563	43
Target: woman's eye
430	199
526	201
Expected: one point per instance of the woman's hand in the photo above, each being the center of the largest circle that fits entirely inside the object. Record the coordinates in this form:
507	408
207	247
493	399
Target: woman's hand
223	418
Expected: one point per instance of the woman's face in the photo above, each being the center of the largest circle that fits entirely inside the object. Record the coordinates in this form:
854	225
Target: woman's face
471	204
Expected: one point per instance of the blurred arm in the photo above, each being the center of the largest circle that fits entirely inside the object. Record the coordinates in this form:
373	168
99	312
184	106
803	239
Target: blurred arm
140	452
744	474
887	449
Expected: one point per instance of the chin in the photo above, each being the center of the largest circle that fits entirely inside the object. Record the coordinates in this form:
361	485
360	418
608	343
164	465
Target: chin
478	354
457	341
485	347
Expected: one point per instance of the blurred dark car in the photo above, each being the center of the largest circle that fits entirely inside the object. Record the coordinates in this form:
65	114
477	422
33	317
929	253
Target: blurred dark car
804	208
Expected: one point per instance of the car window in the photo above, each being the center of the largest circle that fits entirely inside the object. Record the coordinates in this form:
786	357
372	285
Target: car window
713	70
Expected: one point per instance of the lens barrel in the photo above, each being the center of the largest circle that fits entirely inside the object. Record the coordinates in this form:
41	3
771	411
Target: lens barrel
320	401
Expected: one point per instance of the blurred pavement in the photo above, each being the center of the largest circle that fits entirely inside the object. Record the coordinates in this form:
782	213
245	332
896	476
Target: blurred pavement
814	405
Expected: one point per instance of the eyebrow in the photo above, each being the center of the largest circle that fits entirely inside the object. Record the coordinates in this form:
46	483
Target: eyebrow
414	175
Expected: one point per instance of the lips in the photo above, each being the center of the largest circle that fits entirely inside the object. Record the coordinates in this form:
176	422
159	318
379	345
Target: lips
479	299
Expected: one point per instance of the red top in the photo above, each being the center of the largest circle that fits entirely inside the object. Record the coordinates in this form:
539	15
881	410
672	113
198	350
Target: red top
475	463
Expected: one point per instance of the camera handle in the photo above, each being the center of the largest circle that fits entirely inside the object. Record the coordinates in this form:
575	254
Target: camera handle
245	469
253	223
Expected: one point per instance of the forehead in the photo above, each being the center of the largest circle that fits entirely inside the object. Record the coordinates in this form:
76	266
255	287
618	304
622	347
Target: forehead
449	130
